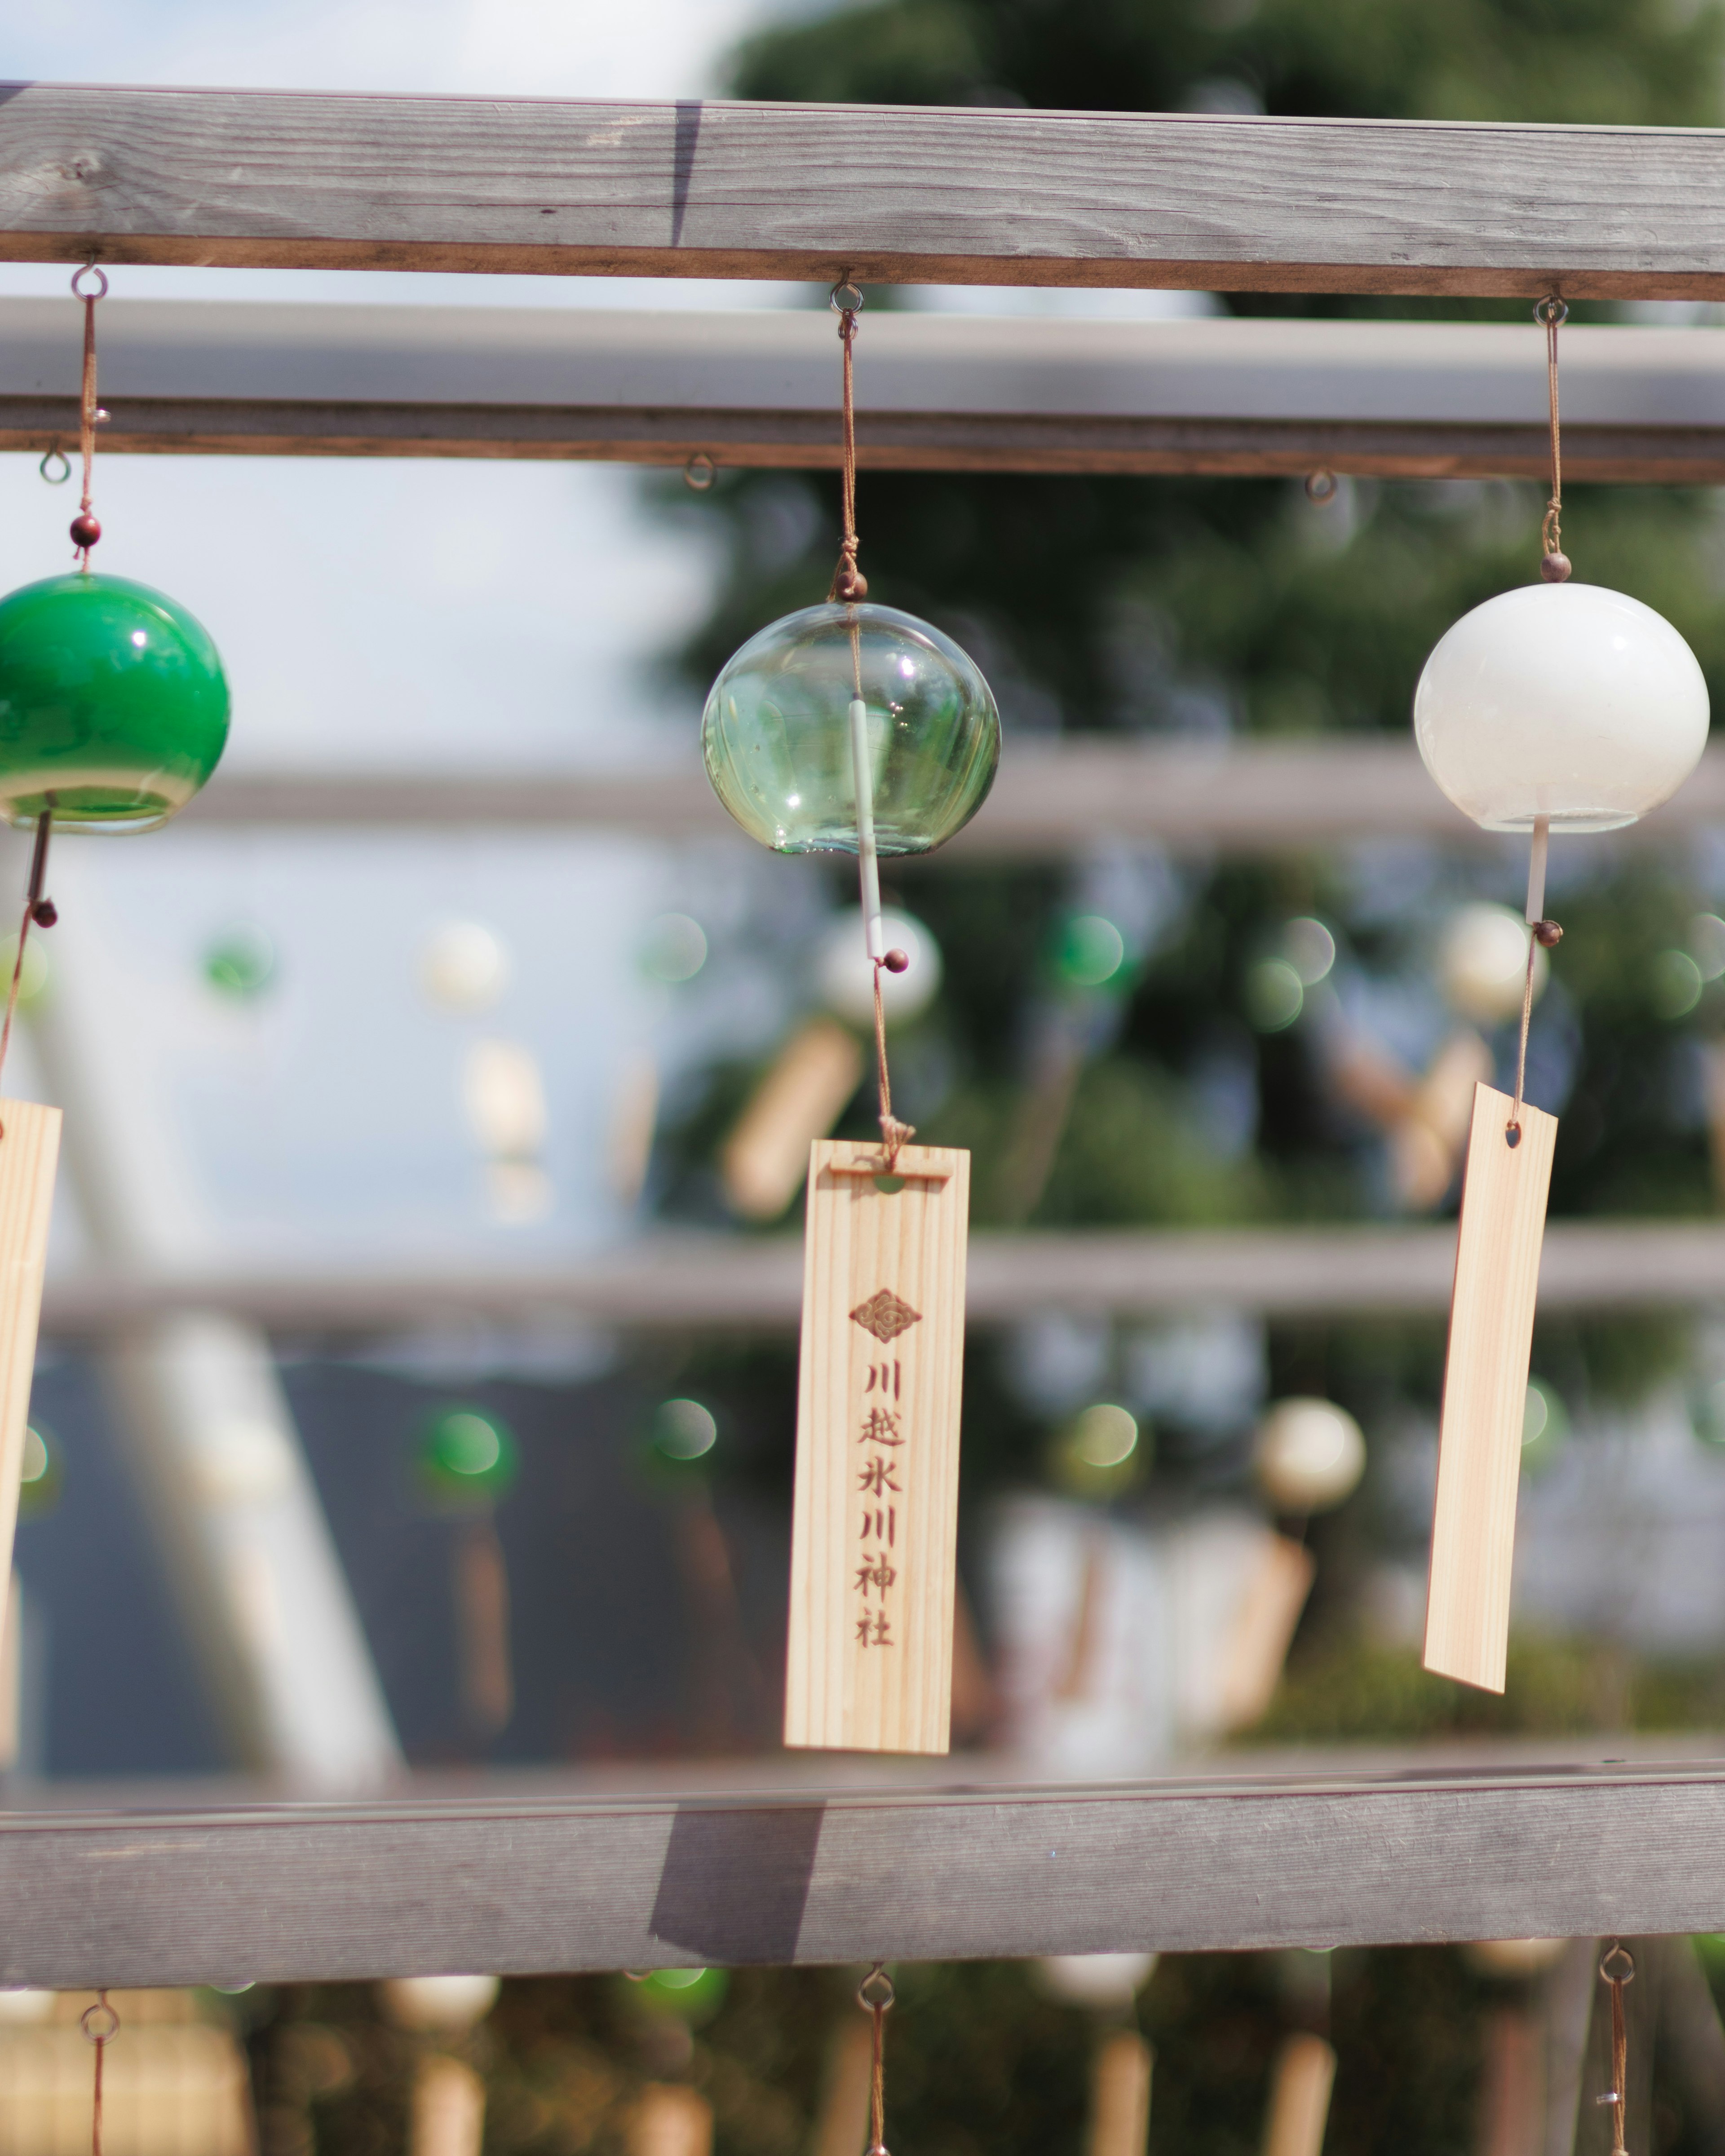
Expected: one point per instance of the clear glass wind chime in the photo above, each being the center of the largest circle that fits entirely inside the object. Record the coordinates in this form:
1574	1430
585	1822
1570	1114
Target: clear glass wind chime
1556	707
849	727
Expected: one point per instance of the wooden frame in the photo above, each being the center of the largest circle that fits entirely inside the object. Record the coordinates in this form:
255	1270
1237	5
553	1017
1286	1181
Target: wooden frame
685	1283
1242	796
936	392
892	194
524	1883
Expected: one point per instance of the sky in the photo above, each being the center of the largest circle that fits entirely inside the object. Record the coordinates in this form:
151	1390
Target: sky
395	614
391	614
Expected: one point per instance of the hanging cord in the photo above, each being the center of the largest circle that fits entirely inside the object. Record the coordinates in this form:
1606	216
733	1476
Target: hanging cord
1618	1969
849	582
1551	314
1541	934
848	587
874	1996
100	2024
85	530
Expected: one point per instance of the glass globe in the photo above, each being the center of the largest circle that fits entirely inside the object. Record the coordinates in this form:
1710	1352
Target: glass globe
1308	1455
779	743
113	704
468	1457
1560	700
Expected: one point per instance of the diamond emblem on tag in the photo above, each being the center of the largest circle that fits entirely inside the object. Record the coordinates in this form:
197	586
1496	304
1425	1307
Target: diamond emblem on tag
885	1316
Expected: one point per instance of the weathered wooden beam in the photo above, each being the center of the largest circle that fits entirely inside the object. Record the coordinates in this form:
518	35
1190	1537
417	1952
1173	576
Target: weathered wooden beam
1242	797
693	1281
935	391
816	1876
897	193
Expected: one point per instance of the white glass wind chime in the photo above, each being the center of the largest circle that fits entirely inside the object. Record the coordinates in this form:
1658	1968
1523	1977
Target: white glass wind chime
1556	707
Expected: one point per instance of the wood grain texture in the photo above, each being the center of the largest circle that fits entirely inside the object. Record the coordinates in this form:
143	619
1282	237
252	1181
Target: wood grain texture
885	194
629	1881
1497	1250
30	1154
869	1660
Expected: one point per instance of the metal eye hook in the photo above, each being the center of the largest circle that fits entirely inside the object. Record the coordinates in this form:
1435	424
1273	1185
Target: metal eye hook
1551	313
64	473
845	298
699	472
90	269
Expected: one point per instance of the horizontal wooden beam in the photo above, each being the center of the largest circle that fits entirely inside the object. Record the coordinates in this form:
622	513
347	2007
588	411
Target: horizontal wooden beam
525	1885
936	392
897	193
1236	797
684	1282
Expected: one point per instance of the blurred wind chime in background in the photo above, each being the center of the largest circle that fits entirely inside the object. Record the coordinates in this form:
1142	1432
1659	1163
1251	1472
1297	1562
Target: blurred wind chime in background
113	713
1557	706
853	728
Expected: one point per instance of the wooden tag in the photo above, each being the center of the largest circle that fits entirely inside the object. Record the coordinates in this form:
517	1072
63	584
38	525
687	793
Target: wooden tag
873	1549
29	1152
1300	2084
1473	1532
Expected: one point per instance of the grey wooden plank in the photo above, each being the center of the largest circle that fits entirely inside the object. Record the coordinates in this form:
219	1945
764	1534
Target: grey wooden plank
906	441
693	1282
937	392
353	1892
1241	797
893	193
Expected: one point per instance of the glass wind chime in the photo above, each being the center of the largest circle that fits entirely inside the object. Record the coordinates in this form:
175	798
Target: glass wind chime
113	712
853	728
1556	707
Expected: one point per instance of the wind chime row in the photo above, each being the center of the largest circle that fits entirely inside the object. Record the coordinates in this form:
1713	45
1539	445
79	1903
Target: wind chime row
853	728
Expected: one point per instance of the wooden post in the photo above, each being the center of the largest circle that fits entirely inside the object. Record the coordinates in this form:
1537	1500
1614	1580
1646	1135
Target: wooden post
875	1513
1473	1530
29	1152
1120	2097
448	2116
842	2127
670	2120
1299	2097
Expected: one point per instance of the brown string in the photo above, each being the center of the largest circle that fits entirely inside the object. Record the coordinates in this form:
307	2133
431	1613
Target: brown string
1549	933
895	1136
1618	2097
1552	313
90	411
874	1996
850	586
101	2033
849	582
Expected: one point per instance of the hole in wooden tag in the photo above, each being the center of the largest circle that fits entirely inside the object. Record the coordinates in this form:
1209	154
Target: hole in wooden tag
889	1186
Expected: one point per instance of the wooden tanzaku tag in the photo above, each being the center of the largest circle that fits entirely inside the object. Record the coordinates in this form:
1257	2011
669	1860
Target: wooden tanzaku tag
873	1549
29	1152
1473	1532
